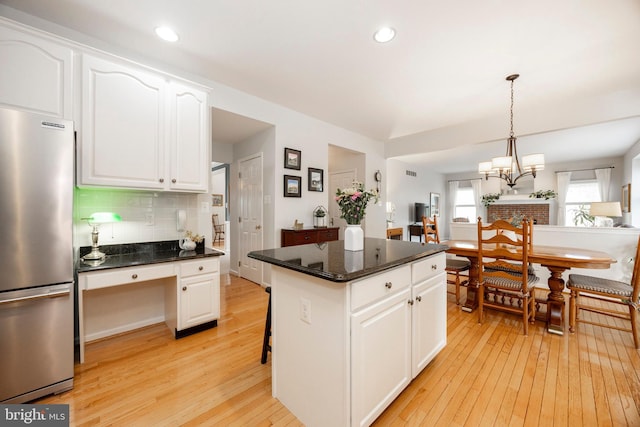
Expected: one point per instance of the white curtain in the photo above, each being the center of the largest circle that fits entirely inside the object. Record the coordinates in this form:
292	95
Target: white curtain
453	192
476	187
604	180
564	179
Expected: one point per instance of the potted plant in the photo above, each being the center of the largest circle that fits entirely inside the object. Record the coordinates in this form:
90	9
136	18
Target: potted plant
543	194
489	198
319	214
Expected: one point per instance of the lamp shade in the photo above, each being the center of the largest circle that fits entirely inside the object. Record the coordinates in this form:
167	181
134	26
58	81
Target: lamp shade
605	209
533	162
501	163
484	167
104	217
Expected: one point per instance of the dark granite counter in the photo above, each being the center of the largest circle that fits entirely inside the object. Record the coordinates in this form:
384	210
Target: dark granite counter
331	262
132	254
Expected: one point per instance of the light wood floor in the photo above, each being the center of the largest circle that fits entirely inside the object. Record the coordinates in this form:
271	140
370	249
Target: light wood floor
487	374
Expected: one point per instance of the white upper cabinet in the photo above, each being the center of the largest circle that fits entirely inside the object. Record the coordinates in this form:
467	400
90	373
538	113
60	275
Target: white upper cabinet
141	129
36	74
188	138
123	126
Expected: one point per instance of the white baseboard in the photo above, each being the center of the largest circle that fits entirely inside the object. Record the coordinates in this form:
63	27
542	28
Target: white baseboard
124	328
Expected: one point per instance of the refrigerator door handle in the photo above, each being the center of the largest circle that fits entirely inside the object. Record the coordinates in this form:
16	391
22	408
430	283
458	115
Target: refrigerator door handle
36	297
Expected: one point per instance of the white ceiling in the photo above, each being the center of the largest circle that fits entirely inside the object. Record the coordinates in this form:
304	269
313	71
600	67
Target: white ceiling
438	87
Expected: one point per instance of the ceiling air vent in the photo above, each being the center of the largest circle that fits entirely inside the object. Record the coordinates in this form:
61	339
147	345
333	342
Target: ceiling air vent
411	173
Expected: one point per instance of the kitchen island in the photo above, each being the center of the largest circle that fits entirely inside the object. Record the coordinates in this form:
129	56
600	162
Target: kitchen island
350	330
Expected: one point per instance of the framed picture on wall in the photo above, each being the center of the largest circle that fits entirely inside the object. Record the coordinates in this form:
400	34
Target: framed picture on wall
626	198
315	180
435	204
292	186
216	200
292	158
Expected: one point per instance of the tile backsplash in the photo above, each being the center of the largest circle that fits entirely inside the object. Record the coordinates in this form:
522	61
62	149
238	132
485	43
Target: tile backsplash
146	215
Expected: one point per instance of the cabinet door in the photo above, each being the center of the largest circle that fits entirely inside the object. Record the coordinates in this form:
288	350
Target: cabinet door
123	126
198	300
35	74
380	356
189	135
429	323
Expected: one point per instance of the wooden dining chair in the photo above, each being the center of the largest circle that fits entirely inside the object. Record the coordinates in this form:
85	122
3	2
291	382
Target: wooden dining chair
606	292
455	267
218	229
504	282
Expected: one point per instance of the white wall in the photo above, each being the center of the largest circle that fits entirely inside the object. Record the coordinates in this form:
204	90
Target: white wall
404	190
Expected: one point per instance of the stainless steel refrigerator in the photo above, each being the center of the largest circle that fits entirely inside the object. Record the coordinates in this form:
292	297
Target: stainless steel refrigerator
36	256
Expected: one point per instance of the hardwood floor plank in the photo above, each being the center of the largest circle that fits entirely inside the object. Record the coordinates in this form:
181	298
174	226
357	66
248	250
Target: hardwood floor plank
487	374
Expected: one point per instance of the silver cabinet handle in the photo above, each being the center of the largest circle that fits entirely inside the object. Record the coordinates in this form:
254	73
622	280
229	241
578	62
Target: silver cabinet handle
410	302
36	297
418	298
134	276
388	285
258	227
184	288
173	180
201	268
161	180
434	266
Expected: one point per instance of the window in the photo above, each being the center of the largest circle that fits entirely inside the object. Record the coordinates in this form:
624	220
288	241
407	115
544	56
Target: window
465	206
579	198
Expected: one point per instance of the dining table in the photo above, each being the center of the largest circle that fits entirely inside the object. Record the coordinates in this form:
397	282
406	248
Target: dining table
556	259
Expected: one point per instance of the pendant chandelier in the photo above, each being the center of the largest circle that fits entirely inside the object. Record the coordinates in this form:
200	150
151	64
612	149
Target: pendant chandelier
508	167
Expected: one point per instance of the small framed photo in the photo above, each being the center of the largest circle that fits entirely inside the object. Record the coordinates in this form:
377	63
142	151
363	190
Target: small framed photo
315	180
435	204
292	158
216	200
626	198
292	186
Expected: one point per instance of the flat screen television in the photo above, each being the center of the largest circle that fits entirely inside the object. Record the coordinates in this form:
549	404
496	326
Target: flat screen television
420	210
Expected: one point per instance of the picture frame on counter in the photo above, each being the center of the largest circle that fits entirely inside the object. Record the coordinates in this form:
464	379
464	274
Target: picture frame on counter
292	158
292	186
435	203
625	200
217	200
315	180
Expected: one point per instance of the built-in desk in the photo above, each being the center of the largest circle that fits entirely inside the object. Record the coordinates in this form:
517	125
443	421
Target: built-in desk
190	282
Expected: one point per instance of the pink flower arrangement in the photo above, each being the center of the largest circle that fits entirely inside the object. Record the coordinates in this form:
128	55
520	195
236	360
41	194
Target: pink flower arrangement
353	202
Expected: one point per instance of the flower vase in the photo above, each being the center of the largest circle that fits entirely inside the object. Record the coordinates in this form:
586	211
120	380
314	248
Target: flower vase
353	238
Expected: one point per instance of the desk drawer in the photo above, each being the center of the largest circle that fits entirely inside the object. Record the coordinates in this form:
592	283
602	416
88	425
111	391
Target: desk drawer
121	276
199	266
373	288
427	268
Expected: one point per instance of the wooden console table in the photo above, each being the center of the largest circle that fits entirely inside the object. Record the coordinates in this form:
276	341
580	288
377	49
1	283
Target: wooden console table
293	237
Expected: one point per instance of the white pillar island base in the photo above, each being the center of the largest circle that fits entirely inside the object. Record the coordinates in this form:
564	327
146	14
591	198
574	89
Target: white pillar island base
350	330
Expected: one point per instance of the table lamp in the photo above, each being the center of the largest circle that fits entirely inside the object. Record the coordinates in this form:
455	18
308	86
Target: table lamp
94	221
606	209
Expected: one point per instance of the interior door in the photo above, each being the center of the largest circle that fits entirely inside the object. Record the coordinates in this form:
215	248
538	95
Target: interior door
250	217
337	180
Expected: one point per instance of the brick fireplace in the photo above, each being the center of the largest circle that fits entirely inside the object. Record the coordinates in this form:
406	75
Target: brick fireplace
538	211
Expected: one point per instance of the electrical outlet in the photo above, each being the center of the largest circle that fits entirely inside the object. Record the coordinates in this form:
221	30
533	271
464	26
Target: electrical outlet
305	310
149	218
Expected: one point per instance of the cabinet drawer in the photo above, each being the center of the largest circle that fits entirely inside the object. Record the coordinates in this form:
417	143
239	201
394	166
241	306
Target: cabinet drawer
126	275
200	266
368	290
429	267
327	235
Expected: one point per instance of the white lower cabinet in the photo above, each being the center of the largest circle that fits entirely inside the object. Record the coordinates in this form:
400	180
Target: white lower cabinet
344	351
380	355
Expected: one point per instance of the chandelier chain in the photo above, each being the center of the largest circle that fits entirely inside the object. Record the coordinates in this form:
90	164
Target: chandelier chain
511	117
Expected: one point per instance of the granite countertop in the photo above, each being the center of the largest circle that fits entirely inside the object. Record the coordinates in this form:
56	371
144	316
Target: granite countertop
132	254
330	261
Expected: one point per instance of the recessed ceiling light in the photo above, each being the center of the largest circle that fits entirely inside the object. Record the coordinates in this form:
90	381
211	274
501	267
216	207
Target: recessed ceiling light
384	35
167	34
